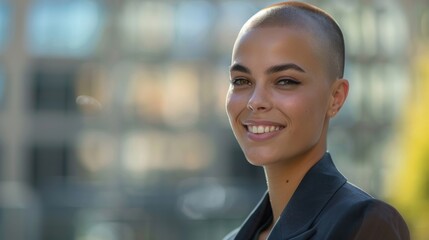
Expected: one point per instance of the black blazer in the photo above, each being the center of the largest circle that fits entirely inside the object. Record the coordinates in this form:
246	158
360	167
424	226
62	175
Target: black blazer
326	206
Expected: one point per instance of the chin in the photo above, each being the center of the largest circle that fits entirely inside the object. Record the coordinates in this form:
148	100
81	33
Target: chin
260	158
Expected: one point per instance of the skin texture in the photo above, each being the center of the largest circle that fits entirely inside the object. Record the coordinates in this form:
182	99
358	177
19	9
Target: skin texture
300	97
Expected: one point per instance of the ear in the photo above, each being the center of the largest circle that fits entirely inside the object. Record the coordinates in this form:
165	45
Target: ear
339	92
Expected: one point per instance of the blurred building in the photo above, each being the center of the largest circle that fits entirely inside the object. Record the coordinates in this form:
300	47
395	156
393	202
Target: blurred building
112	120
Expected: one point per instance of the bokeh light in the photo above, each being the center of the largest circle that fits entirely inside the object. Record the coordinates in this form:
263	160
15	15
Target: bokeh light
112	119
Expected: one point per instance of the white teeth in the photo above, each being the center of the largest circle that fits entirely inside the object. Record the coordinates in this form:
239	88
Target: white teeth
254	129
262	129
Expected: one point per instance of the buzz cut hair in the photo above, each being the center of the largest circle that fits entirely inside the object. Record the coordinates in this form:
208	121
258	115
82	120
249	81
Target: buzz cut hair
304	15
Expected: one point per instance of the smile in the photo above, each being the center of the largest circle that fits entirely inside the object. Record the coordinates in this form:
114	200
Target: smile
260	129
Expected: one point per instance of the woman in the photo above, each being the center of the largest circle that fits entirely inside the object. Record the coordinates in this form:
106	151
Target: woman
286	84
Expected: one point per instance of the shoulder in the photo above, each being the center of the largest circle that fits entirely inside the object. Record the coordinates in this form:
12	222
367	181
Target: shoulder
354	214
381	221
347	198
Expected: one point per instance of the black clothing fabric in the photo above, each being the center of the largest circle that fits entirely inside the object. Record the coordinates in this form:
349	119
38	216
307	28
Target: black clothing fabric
326	207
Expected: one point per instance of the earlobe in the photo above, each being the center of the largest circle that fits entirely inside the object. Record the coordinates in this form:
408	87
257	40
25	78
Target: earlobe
340	90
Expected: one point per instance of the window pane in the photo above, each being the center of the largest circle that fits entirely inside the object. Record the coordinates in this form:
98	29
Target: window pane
232	15
97	153
48	164
4	23
150	151
54	90
181	103
140	32
193	27
65	28
143	96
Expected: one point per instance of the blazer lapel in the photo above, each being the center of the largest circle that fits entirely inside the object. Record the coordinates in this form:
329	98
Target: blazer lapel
258	217
312	194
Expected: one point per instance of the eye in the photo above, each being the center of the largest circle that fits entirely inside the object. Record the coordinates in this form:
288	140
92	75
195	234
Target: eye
240	82
287	81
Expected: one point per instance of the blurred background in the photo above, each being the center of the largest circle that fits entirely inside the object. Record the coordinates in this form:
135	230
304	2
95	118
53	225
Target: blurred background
112	120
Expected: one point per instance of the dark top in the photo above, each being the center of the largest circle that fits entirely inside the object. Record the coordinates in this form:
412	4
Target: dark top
326	206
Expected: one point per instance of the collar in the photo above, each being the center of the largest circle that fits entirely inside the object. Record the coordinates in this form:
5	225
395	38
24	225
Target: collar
313	193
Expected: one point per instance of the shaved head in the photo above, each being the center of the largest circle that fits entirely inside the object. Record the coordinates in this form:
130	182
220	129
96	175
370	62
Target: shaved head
309	18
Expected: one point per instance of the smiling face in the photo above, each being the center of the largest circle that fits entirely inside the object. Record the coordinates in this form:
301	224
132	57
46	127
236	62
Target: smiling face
281	95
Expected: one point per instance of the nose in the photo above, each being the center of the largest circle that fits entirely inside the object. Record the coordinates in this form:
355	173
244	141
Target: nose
259	100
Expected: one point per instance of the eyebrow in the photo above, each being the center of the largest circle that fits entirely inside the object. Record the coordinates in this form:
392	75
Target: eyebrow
284	67
239	68
274	69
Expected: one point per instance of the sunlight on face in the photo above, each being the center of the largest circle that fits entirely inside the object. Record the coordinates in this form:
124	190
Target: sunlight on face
279	95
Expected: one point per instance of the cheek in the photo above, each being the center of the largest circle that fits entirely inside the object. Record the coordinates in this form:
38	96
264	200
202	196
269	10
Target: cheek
235	103
307	109
315	114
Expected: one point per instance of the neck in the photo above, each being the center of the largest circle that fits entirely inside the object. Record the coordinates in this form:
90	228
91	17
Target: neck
283	179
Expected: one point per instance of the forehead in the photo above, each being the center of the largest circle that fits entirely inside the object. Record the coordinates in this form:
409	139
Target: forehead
267	46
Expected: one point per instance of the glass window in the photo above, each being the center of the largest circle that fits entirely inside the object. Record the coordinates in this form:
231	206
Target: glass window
368	31
54	90
96	153
193	27
92	88
232	15
143	95
64	28
48	164
393	32
4	23
181	100
153	150
148	27
168	94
